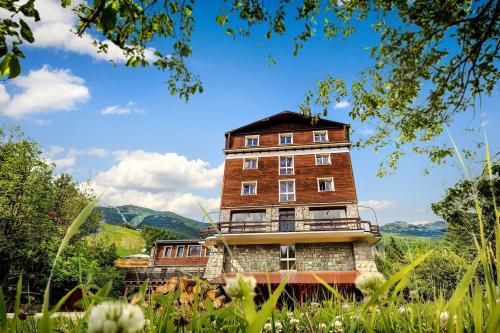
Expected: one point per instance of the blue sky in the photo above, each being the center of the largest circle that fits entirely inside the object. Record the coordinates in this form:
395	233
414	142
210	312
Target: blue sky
120	126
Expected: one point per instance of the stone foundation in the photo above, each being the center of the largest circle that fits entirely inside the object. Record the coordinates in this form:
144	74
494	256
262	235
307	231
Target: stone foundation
215	262
252	258
324	256
363	257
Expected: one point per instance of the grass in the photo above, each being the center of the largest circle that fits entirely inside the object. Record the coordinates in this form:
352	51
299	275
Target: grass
127	241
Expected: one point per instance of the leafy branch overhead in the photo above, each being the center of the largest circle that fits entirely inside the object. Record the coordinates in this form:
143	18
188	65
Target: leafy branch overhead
434	59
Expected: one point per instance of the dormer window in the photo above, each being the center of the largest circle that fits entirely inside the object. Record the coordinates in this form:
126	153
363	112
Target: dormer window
251	141
248	188
320	136
286	139
250	163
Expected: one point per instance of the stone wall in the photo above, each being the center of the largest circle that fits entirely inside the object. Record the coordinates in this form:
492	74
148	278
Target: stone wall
324	256
252	258
215	262
363	257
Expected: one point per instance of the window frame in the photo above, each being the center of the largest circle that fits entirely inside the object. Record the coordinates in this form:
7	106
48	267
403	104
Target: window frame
288	259
248	182
326	179
251	158
291	167
322	131
252	137
279	190
285	135
325	154
165	249
177	251
190	246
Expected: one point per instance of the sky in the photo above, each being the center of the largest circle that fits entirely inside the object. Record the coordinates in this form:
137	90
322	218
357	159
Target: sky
120	127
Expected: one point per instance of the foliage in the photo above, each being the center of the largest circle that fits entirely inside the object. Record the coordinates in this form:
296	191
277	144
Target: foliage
152	234
438	275
36	207
458	209
432	60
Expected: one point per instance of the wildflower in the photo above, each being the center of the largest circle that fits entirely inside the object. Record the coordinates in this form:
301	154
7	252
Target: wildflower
289	315
322	327
295	323
443	319
111	317
404	310
269	328
368	283
183	315
346	306
314	307
337	326
414	296
234	286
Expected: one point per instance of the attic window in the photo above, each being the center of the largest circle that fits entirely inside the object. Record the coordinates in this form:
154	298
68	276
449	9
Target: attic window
325	184
320	136
251	140
286	139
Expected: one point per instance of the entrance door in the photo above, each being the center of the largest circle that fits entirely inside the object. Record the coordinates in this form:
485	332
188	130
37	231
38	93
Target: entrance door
287	220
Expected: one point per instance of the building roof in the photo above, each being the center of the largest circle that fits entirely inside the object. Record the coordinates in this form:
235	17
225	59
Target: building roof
285	121
296	277
177	241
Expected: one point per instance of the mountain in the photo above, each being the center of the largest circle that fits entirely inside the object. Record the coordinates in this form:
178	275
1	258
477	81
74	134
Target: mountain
137	217
430	230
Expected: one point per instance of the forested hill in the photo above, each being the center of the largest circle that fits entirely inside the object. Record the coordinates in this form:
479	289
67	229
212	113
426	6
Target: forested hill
136	217
431	230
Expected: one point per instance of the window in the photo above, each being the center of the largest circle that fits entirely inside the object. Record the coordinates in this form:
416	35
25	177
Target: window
167	251
250	163
253	216
325	184
194	250
328	213
286	166
248	188
286	139
323	159
287	257
251	140
180	251
320	136
287	190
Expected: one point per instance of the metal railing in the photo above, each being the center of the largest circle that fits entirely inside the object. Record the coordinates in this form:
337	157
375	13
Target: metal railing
340	224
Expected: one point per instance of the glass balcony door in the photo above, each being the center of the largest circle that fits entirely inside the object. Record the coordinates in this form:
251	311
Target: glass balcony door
287	220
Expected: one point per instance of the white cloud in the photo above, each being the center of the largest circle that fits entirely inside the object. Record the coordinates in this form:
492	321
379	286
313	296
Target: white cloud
420	222
367	131
342	105
378	204
98	152
4	95
56	30
161	181
44	90
65	162
131	107
54	151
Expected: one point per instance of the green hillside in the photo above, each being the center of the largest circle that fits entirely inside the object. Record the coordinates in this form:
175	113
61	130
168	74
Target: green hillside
127	241
138	216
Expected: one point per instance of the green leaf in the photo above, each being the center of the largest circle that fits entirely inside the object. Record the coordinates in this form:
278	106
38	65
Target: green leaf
230	31
65	3
4	65
14	67
108	18
26	32
221	19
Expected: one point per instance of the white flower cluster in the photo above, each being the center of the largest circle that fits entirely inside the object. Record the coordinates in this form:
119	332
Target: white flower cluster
268	327
112	317
233	286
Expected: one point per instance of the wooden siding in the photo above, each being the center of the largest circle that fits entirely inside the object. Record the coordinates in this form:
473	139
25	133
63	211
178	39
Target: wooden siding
173	260
299	138
306	173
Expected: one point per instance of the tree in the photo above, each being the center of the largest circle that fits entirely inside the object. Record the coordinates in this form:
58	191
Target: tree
458	209
433	59
152	234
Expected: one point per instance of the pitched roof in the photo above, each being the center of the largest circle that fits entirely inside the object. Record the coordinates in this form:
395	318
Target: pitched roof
286	121
296	277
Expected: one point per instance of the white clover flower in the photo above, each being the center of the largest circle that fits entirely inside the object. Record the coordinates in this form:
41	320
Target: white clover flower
289	315
268	327
346	306
233	286
443	319
111	317
337	326
368	283
295	323
414	296
403	310
277	326
322	326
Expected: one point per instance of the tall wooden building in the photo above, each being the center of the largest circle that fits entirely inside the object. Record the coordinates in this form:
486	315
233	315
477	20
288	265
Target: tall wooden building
289	205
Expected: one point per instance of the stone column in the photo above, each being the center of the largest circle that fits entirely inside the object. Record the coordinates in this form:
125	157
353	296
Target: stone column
215	262
363	257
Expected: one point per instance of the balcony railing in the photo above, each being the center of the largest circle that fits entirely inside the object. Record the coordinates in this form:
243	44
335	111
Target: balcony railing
341	224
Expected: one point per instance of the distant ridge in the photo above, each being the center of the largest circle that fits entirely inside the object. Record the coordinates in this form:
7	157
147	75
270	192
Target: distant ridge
430	230
137	217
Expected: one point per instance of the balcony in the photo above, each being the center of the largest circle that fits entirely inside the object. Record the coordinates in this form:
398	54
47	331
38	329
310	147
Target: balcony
317	230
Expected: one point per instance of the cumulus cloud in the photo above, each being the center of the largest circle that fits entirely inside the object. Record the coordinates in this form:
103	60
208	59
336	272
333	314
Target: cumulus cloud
161	181
99	152
55	30
44	90
131	107
342	105
378	204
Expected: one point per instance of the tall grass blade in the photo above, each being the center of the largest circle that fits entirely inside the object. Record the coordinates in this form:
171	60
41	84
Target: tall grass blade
65	298
3	314
17	303
331	289
45	324
463	286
